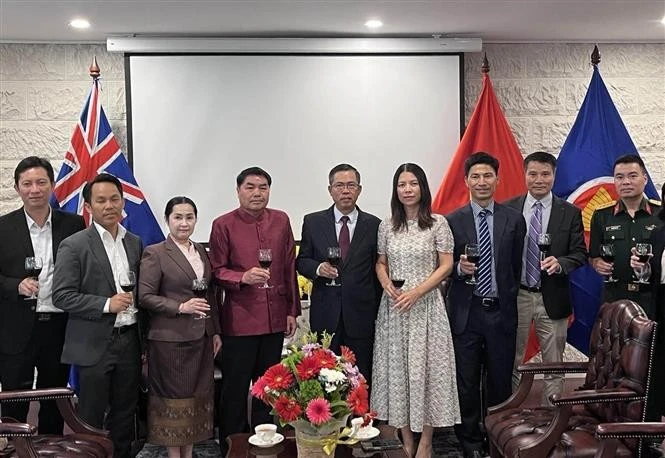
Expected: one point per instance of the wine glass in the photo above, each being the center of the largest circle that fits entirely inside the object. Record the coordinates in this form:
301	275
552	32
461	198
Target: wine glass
643	251
398	283
127	280
472	252
544	242
607	254
265	259
334	258
33	267
200	290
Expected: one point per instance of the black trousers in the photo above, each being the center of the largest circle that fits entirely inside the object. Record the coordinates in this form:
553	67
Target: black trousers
245	359
43	351
113	383
363	347
482	344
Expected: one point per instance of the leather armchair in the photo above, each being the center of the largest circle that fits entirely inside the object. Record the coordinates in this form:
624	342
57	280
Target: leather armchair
610	434
85	441
618	375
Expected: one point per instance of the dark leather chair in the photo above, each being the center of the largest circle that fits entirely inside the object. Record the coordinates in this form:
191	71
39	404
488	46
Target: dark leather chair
609	435
85	441
618	375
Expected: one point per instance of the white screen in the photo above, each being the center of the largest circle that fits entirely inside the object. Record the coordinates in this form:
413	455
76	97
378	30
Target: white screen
198	120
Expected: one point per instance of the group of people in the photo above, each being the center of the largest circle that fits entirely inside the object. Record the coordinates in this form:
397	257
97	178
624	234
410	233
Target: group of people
423	313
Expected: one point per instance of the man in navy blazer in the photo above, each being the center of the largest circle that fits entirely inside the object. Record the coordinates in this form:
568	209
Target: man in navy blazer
484	322
348	310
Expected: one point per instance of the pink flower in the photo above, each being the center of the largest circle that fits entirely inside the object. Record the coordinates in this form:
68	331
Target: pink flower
318	411
259	388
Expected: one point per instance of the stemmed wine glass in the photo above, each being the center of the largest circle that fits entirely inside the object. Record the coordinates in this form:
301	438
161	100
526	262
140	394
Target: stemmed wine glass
200	289
472	252
544	242
33	267
643	251
127	282
334	258
265	259
607	254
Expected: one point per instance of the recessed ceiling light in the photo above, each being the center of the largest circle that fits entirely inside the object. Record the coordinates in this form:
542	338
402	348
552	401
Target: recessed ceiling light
373	23
79	23
663	20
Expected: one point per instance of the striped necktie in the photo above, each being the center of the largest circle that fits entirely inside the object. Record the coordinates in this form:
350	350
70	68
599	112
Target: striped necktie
532	250
484	273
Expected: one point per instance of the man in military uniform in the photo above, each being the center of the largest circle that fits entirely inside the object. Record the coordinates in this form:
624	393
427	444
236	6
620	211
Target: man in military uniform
624	223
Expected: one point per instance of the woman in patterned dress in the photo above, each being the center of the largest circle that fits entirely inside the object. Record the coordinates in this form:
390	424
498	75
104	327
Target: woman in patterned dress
414	386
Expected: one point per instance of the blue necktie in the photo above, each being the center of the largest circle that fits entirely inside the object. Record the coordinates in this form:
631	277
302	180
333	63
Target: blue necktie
484	273
532	250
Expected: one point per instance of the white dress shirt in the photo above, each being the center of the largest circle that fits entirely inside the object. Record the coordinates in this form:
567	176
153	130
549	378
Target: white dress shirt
527	212
42	245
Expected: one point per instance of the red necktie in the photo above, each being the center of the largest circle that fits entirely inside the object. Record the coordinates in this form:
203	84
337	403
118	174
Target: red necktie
344	237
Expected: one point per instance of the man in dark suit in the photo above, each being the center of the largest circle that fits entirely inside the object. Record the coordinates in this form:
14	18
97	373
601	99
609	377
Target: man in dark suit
102	336
483	316
32	331
347	310
544	296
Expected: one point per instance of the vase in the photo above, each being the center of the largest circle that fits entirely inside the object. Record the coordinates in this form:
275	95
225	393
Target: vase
316	445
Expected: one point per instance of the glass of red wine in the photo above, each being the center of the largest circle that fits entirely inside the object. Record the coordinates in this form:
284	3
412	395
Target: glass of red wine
334	258
544	242
607	254
127	282
33	267
200	290
472	252
265	260
643	251
397	283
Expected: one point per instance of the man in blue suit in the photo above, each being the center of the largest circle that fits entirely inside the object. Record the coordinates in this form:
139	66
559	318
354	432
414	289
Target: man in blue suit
483	316
348	310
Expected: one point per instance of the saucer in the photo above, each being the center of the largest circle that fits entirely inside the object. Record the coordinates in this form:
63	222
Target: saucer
368	433
254	440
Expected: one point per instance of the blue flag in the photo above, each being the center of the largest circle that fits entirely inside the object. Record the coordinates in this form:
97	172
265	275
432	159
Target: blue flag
93	149
585	177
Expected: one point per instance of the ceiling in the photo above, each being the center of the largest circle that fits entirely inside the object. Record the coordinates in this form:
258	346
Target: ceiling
491	20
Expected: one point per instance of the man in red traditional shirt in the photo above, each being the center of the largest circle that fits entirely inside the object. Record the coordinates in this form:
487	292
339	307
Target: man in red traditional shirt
255	318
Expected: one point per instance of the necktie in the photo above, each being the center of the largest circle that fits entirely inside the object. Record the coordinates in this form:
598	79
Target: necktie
344	237
484	273
532	250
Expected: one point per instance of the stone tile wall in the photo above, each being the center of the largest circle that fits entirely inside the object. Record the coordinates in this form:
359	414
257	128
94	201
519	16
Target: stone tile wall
540	86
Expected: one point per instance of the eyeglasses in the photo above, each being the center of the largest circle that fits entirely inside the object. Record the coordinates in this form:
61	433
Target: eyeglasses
350	186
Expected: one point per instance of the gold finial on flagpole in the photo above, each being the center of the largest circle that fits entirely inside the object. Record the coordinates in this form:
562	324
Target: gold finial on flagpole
595	56
94	68
485	67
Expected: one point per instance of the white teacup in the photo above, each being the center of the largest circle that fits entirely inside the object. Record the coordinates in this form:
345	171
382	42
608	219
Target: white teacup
266	432
357	428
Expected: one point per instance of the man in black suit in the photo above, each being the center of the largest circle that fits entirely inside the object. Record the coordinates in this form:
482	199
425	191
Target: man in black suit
102	336
348	310
32	331
544	296
483	317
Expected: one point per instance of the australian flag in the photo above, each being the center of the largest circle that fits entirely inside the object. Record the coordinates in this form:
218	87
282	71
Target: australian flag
93	149
585	177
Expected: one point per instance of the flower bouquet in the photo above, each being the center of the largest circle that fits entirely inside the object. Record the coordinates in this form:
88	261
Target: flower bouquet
315	391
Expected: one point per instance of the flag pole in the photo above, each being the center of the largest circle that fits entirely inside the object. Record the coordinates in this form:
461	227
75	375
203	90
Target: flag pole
485	67
595	56
94	68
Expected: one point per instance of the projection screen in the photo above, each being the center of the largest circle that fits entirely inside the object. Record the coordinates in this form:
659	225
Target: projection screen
197	120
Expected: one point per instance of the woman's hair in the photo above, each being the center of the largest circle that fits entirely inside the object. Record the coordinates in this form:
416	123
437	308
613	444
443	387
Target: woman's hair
176	201
398	213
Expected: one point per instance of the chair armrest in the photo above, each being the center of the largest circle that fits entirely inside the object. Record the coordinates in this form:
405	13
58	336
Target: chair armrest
554	368
35	395
592	396
650	430
10	428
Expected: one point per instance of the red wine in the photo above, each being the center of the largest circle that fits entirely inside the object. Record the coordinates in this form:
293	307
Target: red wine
334	260
643	257
607	258
34	272
200	292
265	264
398	283
545	247
474	258
128	288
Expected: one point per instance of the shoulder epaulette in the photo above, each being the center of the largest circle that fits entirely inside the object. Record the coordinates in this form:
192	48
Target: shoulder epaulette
655	202
604	205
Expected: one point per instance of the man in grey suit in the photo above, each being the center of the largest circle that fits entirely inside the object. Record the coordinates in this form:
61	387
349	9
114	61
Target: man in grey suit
102	336
483	316
544	296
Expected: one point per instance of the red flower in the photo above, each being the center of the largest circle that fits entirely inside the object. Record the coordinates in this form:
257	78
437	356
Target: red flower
325	358
278	377
358	400
347	355
369	416
287	409
318	411
308	368
259	389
